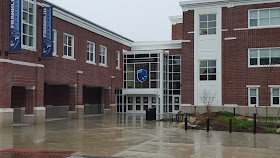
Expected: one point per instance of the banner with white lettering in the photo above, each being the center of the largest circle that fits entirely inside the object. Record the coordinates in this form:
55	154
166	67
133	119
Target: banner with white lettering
47	47
15	26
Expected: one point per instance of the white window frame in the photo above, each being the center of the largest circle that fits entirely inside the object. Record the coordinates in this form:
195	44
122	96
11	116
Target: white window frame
93	53
207	24
267	26
208	74
259	58
103	63
73	47
55	43
249	95
118	60
34	25
271	96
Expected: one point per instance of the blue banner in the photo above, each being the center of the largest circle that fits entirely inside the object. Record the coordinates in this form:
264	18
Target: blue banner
15	26
47	46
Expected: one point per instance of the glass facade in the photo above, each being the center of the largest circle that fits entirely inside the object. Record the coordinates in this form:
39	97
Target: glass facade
136	62
159	87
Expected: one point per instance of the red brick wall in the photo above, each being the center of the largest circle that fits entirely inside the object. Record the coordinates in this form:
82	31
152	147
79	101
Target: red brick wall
235	72
188	59
177	32
58	70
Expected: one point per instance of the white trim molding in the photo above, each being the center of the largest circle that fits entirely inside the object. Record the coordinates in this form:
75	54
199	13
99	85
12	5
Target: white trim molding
274	86
253	86
157	45
20	63
30	88
39	108
75	19
193	4
176	19
2	110
230	38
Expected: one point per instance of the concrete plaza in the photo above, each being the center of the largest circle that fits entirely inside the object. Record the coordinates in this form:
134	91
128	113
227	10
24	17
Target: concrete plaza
132	136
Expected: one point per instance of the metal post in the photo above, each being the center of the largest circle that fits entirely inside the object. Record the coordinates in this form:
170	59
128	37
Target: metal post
208	124
195	110
172	118
234	111
255	123
186	123
230	126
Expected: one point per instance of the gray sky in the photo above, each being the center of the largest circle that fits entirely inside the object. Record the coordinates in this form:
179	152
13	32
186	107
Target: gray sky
139	20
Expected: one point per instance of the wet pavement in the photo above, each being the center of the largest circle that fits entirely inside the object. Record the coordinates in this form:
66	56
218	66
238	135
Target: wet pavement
132	136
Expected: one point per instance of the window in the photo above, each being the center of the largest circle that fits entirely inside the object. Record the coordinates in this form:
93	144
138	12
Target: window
68	46
275	96
29	23
253	96
207	24
90	52
264	17
54	42
103	56
207	70
118	60
267	56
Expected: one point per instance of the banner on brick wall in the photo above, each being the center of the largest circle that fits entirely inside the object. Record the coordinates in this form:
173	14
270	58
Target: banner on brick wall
47	46
15	26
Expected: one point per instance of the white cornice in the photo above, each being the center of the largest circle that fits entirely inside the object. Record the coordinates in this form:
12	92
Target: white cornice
193	4
176	19
157	45
20	63
86	24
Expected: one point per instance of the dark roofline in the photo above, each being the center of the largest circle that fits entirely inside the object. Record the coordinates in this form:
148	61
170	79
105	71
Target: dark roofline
92	23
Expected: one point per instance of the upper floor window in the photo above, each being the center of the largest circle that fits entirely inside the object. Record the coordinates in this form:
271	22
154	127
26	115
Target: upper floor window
29	23
267	56
54	42
90	52
207	24
68	46
103	56
207	70
264	17
275	96
118	60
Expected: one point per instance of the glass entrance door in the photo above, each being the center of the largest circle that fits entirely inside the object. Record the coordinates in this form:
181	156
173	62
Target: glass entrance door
139	104
176	103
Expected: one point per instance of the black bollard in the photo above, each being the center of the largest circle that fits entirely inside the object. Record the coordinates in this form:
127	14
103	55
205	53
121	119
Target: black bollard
172	118
234	111
255	123
208	124
230	125
186	123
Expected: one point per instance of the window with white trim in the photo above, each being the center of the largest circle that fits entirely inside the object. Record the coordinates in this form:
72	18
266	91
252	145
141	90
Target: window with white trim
54	42
264	56
103	56
264	17
275	96
253	96
118	60
207	24
68	46
207	70
29	23
91	52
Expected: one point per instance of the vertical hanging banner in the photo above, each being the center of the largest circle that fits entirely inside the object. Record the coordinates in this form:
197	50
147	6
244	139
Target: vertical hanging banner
47	46
15	26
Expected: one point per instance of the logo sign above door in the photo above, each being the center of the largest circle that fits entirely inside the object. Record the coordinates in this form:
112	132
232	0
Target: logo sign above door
142	75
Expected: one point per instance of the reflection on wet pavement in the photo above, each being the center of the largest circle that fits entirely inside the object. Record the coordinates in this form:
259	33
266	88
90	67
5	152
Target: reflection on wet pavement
132	136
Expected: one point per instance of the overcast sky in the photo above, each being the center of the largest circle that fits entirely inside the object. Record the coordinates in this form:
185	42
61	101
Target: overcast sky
138	20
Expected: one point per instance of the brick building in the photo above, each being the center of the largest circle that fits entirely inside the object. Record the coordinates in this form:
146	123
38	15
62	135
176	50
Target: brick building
224	53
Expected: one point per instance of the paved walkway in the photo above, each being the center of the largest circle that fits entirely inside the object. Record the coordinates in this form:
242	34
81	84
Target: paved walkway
132	136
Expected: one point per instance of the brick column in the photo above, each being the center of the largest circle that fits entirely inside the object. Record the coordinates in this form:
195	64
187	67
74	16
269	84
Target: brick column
29	99
72	97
